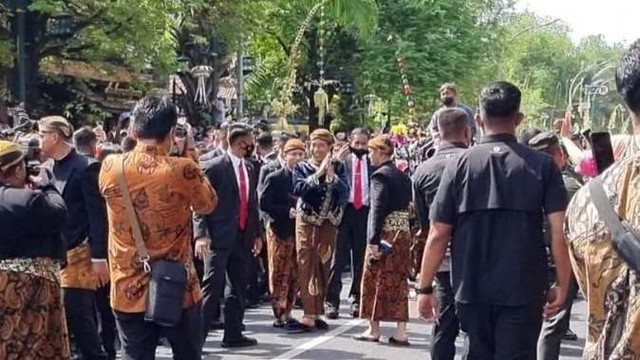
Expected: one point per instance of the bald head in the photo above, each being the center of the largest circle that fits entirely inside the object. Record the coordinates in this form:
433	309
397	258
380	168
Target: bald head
453	125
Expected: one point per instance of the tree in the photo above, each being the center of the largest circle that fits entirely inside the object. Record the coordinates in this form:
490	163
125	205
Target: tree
346	21
439	41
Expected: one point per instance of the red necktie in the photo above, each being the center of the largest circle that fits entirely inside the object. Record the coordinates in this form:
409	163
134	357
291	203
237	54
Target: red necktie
244	203
357	185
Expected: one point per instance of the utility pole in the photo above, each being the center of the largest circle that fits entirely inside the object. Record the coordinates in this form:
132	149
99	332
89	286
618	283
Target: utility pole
239	85
20	48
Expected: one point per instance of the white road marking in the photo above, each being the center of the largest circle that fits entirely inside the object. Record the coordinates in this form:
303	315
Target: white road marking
300	349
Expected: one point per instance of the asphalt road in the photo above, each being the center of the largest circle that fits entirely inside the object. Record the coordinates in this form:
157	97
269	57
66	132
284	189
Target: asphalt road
336	343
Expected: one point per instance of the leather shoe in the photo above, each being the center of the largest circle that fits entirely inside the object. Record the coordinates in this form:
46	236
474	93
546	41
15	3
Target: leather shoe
240	342
355	310
217	325
332	312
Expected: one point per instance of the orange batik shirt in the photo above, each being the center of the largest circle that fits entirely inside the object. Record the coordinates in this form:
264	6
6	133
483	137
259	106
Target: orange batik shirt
165	191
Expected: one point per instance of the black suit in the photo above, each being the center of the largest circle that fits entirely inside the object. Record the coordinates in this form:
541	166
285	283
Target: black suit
351	243
276	201
231	246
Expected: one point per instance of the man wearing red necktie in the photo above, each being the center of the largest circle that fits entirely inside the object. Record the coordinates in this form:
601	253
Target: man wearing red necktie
227	238
351	243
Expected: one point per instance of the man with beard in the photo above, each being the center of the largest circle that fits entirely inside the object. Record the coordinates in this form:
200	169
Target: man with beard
85	234
352	234
449	98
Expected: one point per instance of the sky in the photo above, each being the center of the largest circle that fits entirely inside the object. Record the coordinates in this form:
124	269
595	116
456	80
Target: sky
617	20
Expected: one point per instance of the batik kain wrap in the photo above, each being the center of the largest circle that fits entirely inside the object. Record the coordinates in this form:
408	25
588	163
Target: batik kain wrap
385	291
78	274
283	284
32	318
315	246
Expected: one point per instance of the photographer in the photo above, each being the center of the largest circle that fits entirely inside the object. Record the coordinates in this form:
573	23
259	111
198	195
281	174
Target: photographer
31	253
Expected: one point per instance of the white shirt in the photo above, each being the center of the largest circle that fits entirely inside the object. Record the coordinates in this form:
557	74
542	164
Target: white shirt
364	169
236	161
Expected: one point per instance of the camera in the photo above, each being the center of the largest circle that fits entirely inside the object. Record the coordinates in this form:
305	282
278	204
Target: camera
31	148
181	131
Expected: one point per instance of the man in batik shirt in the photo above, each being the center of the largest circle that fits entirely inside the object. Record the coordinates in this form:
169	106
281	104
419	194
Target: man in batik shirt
611	288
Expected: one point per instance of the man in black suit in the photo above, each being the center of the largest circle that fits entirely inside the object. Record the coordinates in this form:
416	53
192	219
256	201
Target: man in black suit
278	205
228	237
352	234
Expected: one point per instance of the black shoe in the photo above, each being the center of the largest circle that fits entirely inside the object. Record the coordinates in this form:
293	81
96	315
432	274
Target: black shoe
298	328
321	324
570	336
355	310
239	343
332	312
279	324
243	327
217	325
252	304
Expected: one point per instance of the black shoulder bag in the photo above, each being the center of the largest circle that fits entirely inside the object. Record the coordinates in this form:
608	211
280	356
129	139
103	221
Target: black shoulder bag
168	282
626	240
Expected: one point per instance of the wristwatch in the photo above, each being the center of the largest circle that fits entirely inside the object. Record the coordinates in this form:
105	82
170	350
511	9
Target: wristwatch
427	290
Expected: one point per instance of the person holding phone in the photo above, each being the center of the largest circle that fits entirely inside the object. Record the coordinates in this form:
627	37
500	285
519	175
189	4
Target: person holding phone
385	290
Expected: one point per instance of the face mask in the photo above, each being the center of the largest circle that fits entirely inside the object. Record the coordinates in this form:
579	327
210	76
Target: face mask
249	150
359	153
448	101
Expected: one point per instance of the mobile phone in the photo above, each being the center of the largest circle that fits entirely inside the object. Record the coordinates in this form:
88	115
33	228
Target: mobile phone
602	150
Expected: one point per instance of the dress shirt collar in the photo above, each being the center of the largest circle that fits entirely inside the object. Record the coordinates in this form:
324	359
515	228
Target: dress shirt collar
506	138
153	150
236	161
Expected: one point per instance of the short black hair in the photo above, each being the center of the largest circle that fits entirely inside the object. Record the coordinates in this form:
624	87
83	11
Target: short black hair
500	100
360	131
628	77
265	140
84	137
238	131
451	122
154	117
128	143
527	134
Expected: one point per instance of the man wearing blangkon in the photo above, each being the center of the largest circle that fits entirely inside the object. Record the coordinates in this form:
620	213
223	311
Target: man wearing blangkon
611	288
490	205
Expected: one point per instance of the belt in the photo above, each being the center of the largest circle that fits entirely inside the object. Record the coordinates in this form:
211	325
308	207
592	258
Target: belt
42	267
397	221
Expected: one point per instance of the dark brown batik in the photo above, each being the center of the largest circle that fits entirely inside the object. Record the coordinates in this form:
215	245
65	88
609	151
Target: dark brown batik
315	246
283	284
384	290
32	318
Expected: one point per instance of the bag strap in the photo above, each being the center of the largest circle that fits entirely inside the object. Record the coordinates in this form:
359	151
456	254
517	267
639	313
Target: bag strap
604	207
143	254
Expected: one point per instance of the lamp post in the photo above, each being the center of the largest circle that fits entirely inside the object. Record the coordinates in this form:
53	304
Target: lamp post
522	32
20	9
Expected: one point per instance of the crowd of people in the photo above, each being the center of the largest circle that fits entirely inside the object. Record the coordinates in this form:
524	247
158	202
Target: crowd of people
116	241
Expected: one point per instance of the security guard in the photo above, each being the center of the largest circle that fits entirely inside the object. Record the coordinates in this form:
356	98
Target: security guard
490	206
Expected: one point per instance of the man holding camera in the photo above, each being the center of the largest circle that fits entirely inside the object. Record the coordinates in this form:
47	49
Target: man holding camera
85	234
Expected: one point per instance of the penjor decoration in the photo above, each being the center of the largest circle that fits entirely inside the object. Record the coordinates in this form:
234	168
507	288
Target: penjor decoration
202	74
406	88
320	98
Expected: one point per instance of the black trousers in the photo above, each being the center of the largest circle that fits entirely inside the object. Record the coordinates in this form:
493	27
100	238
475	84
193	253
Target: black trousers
501	332
80	308
226	268
554	329
350	247
107	322
447	329
139	338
